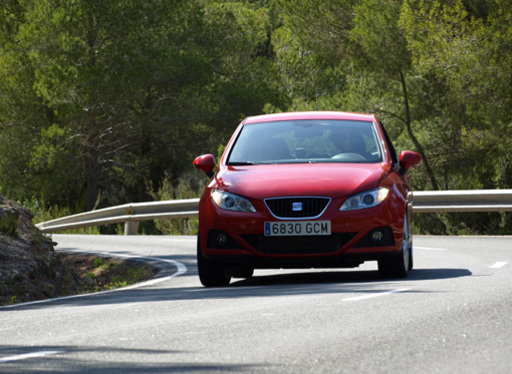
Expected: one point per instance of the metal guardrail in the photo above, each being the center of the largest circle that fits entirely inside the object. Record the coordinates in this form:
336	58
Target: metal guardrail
129	214
132	214
463	201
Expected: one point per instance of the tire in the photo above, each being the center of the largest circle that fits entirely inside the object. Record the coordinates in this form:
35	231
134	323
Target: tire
399	266
242	271
211	273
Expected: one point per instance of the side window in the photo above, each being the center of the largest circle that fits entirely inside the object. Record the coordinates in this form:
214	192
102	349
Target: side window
394	156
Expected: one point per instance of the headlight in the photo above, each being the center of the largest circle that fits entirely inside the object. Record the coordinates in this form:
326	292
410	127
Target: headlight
229	201
367	199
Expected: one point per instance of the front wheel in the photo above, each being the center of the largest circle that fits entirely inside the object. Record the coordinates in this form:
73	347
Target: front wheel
211	273
399	266
242	271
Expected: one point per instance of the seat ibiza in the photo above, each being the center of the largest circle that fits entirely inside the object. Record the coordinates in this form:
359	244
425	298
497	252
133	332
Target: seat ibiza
305	190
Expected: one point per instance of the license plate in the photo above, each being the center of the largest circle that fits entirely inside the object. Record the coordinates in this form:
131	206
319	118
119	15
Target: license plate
297	228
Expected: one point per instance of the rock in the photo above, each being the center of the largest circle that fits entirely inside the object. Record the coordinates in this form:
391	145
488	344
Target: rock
30	269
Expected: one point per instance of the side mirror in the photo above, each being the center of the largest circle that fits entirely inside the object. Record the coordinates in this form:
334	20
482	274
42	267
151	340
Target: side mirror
409	159
205	163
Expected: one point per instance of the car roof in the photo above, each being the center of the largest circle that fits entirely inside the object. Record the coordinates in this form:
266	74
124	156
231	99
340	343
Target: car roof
310	115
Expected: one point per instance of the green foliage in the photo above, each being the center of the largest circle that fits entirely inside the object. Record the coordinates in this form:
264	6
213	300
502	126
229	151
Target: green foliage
101	101
44	212
99	261
100	97
9	224
437	72
41	212
187	187
380	43
458	58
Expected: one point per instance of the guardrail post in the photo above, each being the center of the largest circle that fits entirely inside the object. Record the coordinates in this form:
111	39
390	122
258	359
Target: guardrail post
131	227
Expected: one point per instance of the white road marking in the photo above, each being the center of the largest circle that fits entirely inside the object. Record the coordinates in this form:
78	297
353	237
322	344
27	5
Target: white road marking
430	249
29	355
357	298
182	269
498	265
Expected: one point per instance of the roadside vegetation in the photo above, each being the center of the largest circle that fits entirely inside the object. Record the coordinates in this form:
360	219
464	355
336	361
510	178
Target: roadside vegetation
108	102
102	274
88	274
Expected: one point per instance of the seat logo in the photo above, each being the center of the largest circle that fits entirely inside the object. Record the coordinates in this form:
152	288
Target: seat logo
297	206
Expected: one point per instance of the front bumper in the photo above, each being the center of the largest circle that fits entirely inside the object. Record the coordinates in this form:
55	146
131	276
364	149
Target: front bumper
239	238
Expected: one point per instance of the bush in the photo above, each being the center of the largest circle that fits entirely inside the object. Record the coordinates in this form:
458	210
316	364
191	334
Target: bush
189	186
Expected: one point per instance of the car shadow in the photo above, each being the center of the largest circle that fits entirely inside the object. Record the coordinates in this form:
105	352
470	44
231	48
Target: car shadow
347	277
343	283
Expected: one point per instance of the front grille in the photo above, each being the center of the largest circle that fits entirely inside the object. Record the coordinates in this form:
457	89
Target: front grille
297	207
298	244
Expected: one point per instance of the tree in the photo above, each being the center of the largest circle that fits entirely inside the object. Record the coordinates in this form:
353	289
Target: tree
111	94
23	114
362	38
465	52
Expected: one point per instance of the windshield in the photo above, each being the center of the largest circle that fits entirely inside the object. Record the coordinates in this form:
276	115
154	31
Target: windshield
306	141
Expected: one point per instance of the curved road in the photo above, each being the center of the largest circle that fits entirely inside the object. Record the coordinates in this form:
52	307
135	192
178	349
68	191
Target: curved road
452	315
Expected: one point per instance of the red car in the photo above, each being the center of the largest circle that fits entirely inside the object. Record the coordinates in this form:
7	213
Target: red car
305	190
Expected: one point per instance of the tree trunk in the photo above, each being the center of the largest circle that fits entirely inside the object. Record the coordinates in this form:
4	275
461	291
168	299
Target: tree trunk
419	147
92	125
92	160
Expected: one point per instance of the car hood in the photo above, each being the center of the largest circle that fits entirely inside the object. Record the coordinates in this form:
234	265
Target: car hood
334	180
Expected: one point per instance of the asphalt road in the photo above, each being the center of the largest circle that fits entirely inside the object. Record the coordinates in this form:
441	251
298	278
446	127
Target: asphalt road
452	315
